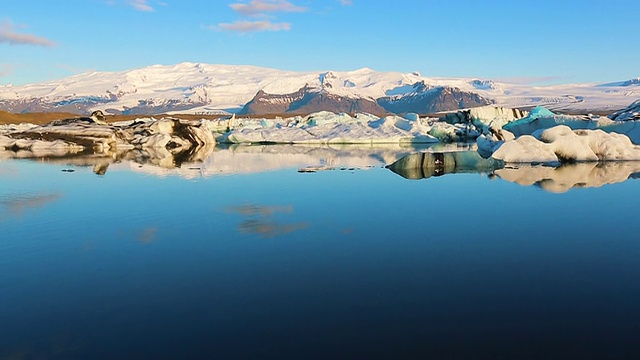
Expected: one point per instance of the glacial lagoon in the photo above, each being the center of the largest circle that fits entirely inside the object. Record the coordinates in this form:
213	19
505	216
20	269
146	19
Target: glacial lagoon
317	252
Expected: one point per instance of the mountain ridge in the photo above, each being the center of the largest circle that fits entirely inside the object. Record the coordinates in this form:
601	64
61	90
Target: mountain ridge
218	88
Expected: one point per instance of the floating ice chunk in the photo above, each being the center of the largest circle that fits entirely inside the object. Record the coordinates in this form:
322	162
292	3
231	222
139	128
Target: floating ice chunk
569	145
329	128
562	144
327	117
542	118
525	149
540	111
445	132
412	116
482	116
489	143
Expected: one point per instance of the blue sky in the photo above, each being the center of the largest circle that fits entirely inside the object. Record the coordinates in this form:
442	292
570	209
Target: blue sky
525	41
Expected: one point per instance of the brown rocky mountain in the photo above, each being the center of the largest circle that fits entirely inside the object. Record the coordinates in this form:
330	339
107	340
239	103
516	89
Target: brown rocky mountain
308	100
423	100
429	100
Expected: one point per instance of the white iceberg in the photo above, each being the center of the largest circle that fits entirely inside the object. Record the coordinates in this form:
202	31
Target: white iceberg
562	144
542	118
625	121
330	128
485	116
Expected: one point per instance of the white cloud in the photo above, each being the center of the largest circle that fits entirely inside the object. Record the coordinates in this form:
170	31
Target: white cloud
141	5
346	2
262	7
9	36
254	26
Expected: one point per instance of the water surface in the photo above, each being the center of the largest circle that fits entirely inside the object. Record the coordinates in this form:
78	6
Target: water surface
264	261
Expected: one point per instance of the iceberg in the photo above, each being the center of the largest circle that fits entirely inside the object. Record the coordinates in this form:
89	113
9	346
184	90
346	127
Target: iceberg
625	121
542	118
329	128
83	135
562	144
483	117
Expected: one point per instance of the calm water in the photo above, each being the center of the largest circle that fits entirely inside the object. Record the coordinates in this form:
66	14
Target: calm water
244	257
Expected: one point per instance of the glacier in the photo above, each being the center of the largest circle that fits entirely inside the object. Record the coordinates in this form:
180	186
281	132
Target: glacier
198	88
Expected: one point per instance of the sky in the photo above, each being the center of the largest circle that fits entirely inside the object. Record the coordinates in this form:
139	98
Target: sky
523	41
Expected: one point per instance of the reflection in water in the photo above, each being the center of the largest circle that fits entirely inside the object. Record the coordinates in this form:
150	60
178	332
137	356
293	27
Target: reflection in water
251	210
260	220
148	236
553	179
561	270
436	160
565	177
18	204
156	158
427	164
268	228
206	161
8	170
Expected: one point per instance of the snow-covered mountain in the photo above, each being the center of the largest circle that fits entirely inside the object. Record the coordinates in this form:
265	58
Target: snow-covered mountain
207	88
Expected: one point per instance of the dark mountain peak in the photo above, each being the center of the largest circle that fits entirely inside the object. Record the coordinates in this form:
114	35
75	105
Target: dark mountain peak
306	100
428	100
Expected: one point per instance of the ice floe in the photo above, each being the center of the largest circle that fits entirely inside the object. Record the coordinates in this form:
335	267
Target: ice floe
329	128
83	135
562	144
542	118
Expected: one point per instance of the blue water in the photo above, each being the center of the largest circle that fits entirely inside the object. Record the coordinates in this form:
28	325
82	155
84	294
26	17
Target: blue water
335	264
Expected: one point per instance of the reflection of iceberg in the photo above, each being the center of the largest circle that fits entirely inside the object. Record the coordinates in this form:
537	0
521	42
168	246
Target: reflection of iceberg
554	179
252	159
568	176
155	160
206	161
428	164
247	159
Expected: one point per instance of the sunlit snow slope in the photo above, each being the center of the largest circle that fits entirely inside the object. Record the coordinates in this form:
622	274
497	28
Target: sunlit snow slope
207	88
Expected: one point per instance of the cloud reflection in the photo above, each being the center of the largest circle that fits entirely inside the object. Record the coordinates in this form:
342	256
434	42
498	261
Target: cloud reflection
252	210
147	236
18	204
261	220
269	229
